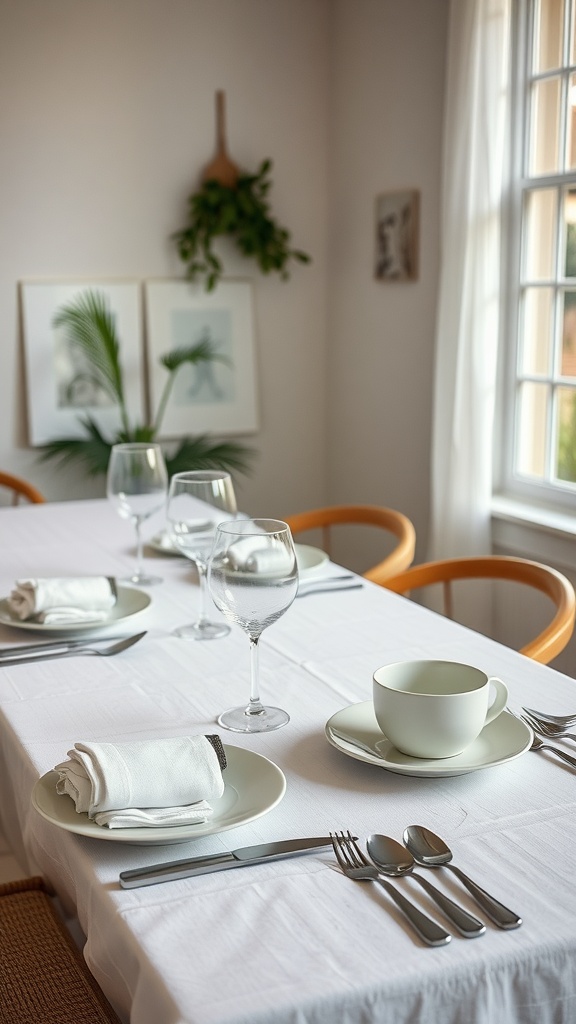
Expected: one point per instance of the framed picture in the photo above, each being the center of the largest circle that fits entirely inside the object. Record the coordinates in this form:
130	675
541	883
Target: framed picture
59	393
216	396
397	227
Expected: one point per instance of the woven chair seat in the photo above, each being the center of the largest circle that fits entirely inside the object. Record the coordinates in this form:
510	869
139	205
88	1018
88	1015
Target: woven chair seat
43	977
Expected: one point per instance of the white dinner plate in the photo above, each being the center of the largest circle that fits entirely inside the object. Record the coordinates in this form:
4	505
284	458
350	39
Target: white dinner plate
253	786
130	601
309	559
502	740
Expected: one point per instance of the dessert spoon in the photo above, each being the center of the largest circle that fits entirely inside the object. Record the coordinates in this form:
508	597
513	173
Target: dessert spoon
391	858
432	852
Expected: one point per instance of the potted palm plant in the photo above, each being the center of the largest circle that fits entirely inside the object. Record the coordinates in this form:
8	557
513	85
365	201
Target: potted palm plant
89	323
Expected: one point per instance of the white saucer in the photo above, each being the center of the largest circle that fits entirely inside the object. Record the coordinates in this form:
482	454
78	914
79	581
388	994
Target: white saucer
253	786
129	602
502	740
309	559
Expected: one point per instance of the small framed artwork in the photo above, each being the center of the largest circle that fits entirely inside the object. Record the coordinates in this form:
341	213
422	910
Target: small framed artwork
218	396
59	390
397	228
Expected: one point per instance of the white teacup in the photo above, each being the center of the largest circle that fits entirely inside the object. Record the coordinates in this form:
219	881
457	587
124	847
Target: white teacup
434	708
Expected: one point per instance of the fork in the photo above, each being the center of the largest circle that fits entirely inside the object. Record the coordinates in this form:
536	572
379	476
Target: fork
354	865
548	730
562	720
103	652
538	744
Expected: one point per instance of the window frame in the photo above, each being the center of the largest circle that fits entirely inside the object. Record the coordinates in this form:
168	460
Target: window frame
544	492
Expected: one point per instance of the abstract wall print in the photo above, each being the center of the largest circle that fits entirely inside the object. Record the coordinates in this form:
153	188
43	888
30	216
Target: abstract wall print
397	227
60	390
218	396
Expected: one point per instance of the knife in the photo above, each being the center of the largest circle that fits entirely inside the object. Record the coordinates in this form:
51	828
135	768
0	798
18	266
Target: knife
175	869
330	583
55	645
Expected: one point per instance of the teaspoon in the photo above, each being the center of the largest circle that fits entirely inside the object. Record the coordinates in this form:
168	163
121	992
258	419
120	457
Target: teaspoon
432	852
393	859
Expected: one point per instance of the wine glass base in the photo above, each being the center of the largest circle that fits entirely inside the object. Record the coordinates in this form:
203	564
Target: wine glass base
202	631
141	579
239	720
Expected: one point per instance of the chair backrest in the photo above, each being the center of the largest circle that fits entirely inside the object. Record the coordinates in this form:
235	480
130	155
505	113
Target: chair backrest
43	976
20	489
548	643
370	515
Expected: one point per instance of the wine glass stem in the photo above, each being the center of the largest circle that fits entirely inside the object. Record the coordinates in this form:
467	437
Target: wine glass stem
255	706
138	524
203	617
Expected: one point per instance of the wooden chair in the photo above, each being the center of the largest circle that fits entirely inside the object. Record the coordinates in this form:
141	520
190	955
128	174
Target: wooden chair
43	976
21	489
547	644
370	515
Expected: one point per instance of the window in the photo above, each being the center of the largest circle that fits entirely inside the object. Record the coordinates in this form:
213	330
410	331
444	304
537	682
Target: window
541	427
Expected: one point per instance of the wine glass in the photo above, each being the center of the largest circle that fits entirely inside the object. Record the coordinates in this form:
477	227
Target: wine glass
136	485
253	579
197	501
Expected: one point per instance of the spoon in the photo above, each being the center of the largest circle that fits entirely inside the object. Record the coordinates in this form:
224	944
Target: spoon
431	852
393	859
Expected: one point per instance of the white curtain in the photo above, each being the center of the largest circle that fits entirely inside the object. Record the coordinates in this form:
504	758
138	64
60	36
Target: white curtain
469	300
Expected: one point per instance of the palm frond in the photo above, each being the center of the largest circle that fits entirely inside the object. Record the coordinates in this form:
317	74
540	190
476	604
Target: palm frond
89	323
202	453
203	352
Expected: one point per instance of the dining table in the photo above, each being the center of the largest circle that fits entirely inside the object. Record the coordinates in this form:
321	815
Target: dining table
290	941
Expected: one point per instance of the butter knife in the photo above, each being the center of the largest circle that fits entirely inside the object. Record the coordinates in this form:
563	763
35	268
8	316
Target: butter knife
172	870
6	653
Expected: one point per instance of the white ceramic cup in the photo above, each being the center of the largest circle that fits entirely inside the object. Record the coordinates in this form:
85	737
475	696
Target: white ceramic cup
434	708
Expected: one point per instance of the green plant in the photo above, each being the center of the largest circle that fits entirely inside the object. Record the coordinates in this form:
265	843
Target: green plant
241	211
90	325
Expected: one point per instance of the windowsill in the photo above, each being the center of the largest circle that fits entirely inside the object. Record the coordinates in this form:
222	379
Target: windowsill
534	531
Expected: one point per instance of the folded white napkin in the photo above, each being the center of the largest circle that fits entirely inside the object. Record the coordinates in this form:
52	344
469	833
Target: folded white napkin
70	599
252	555
147	782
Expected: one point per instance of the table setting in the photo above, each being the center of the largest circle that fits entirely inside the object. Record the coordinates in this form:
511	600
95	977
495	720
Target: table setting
170	923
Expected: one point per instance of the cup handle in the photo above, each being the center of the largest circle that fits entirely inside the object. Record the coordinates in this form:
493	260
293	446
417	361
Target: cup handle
500	700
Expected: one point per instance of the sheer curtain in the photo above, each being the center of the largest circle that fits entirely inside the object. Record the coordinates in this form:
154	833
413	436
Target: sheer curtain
468	310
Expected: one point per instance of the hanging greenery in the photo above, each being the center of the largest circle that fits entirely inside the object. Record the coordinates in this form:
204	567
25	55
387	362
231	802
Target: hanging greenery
241	211
90	325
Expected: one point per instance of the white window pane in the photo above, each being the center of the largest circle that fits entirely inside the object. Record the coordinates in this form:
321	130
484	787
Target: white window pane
537	328
548	35
566	435
540	235
544	148
531	430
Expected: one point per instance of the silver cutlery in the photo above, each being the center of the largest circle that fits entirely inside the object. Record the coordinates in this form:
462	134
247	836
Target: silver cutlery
432	852
565	720
394	859
172	870
547	729
78	651
538	744
354	865
6	653
354	742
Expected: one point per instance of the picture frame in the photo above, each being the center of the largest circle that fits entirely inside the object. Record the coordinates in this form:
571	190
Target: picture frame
397	236
218	396
56	398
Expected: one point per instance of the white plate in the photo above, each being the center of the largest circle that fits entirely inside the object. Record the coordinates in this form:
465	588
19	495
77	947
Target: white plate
253	786
129	602
502	740
309	559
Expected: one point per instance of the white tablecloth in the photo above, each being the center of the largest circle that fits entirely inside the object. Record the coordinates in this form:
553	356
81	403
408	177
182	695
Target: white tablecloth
291	942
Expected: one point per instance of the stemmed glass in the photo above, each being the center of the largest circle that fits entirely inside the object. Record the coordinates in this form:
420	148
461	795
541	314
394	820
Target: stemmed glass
136	485
253	579
197	501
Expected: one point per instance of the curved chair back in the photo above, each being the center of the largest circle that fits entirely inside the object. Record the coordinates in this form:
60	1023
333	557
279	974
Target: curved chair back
370	515
548	643
20	489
